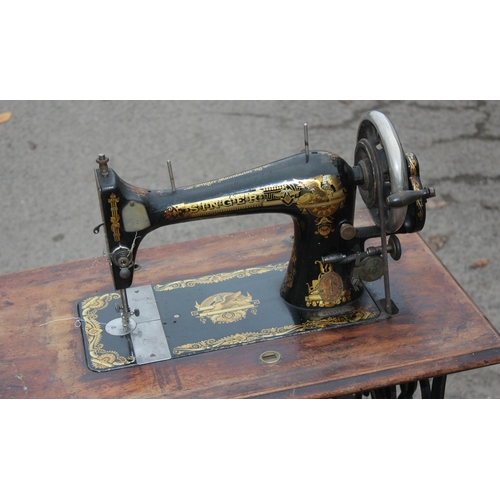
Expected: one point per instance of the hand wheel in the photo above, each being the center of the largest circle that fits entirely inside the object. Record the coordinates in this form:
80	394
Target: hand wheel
378	141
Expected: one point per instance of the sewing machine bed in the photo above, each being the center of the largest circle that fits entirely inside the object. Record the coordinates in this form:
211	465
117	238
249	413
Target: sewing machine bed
438	330
205	313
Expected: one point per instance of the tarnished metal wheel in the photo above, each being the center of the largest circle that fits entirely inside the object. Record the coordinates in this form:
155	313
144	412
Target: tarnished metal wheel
378	140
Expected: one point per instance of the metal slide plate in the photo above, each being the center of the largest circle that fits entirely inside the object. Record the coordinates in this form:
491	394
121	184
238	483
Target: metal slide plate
148	338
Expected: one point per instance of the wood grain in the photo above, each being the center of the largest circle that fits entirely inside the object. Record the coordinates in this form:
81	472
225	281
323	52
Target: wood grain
439	330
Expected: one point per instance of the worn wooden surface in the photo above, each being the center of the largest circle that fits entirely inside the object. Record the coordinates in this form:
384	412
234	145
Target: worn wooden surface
439	330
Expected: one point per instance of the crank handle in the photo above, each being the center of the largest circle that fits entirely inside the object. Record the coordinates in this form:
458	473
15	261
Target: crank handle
405	198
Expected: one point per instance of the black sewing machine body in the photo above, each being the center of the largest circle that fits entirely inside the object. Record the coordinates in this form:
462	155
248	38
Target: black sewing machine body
325	283
319	194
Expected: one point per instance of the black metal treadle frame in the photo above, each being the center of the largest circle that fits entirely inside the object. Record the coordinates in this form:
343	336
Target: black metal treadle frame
428	390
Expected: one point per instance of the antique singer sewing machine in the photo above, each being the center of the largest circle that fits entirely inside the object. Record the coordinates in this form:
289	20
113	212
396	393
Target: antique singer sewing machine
328	282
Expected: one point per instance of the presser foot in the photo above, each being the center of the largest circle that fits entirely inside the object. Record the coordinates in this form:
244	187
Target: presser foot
120	327
124	325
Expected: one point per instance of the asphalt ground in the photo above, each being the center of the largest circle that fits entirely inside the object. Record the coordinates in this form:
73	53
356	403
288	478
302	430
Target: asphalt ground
48	196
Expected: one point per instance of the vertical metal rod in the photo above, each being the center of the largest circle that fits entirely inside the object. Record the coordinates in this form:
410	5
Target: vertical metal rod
171	174
125	310
380	199
306	140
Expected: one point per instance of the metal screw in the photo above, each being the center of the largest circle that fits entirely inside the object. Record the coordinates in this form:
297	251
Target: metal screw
102	161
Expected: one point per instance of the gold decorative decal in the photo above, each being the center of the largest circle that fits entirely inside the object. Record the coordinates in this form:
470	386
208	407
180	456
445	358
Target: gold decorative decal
225	307
412	164
327	290
115	218
320	196
419	203
100	358
217	278
324	226
414	173
268	333
323	197
216	206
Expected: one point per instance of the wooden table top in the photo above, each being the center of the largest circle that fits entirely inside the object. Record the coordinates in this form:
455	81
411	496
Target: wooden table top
439	330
